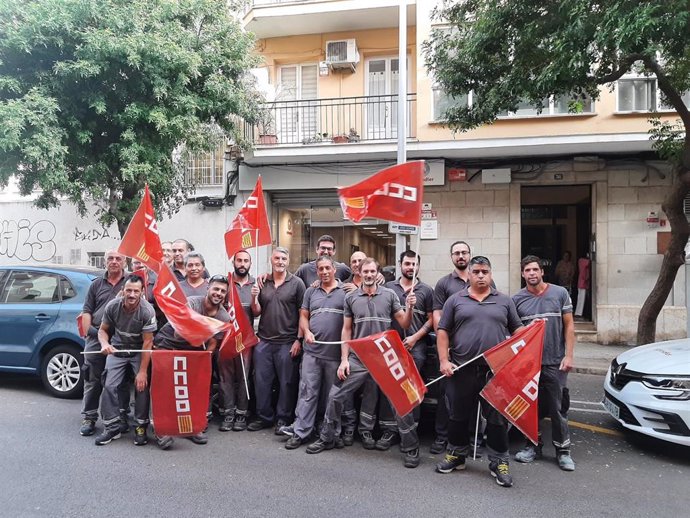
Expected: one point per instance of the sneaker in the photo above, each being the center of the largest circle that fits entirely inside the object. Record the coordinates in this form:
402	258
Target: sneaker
200	438
565	462
227	424
349	438
528	454
367	440
280	424
240	423
501	472
140	437
257	425
107	436
88	427
386	441
320	445
287	430
438	446
124	423
451	461
293	442
411	458
164	441
339	444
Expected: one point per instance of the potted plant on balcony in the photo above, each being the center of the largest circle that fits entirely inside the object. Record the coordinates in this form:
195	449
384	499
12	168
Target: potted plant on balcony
344	138
317	138
267	133
340	139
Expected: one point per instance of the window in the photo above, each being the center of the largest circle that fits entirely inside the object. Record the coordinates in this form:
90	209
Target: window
686	101
97	259
66	289
31	287
637	94
206	168
443	101
561	105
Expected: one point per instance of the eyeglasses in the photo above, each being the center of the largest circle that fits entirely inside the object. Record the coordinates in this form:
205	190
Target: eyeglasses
456	254
218	278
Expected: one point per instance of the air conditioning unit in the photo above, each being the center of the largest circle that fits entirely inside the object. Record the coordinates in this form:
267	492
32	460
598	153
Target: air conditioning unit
342	55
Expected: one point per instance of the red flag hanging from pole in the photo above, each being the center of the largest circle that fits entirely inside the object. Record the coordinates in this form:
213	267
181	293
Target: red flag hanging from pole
141	240
393	369
394	194
250	226
180	382
500	354
241	335
189	324
514	389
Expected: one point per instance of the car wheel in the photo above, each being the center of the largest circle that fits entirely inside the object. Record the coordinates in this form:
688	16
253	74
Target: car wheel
61	372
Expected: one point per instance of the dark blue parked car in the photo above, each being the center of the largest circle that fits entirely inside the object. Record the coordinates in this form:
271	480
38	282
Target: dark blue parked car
38	328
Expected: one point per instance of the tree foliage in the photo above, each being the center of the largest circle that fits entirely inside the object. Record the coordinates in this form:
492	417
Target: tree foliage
507	52
96	96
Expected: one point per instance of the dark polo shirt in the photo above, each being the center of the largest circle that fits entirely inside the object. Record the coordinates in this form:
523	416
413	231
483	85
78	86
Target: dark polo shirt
307	272
445	287
100	293
550	305
167	338
371	314
325	320
475	327
245	292
280	309
422	307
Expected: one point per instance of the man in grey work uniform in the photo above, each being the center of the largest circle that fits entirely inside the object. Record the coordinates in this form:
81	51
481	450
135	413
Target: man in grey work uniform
128	323
279	345
102	290
369	310
321	319
474	320
234	404
552	303
414	338
210	305
324	246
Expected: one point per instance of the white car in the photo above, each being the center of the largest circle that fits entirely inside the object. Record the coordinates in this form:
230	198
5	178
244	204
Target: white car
647	389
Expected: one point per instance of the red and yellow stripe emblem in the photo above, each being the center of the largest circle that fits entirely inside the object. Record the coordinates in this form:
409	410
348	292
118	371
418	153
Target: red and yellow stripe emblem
517	407
184	424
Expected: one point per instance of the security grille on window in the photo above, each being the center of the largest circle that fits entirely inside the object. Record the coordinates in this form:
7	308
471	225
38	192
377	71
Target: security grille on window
97	259
206	168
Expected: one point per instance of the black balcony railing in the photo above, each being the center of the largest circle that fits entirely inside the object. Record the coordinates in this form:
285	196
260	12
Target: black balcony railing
336	120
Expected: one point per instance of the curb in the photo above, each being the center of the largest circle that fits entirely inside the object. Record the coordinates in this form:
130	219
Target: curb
598	371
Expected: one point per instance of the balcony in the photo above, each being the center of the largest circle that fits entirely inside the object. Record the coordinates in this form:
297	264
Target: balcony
340	120
276	18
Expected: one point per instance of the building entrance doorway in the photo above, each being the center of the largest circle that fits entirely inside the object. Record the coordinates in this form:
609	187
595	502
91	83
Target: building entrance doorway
556	223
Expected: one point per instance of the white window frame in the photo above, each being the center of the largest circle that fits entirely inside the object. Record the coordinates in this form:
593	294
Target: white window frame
548	111
211	161
658	104
437	117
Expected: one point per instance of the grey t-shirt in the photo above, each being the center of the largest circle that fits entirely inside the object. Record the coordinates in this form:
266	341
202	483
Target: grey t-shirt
167	337
325	320
100	293
245	292
280	309
550	305
371	314
191	291
307	272
474	327
422	308
126	327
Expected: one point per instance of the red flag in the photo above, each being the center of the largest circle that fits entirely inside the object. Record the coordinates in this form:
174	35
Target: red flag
500	354
241	334
394	194
189	324
180	382
141	240
393	369
144	278
250	227
83	331
514	389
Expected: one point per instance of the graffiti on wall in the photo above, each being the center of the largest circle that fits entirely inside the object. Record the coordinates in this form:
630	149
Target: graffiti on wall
90	235
24	240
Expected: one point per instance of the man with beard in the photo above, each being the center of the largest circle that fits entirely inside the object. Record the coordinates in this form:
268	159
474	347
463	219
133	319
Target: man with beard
210	305
324	246
102	290
280	343
128	324
552	303
234	404
474	320
369	310
414	338
194	283
321	320
180	248
445	287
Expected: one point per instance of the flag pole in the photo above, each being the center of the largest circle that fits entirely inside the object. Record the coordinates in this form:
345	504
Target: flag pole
455	367
244	373
400	239
476	429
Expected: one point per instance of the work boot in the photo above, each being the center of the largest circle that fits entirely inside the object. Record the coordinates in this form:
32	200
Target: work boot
411	458
565	461
280	424
124	422
88	427
438	446
320	445
164	441
293	442
386	441
227	424
257	425
451	461
501	472
529	453
140	437
367	440
240	423
107	436
200	438
348	437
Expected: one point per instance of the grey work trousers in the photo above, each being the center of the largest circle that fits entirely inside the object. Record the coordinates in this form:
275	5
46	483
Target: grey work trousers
386	412
317	376
551	383
273	359
232	384
93	367
344	390
116	369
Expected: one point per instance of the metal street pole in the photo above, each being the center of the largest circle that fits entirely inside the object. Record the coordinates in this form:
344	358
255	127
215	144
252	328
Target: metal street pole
401	239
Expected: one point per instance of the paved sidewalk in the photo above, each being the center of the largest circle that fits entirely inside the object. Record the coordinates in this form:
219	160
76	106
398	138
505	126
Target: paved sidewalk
593	358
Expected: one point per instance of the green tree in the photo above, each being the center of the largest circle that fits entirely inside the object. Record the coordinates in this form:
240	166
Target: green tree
98	96
510	51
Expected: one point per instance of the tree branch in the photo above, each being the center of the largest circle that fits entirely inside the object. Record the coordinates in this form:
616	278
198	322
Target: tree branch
623	69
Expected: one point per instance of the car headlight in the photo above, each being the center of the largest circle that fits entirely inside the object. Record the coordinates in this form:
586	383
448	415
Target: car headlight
675	384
